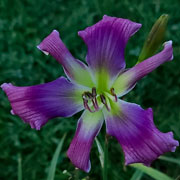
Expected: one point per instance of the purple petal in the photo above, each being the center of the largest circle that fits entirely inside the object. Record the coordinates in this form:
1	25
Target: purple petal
127	79
37	104
134	128
106	41
73	68
88	127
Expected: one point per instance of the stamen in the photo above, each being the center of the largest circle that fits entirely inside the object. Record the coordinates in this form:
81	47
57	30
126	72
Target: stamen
94	92
96	107
86	106
113	93
84	96
103	100
89	95
95	103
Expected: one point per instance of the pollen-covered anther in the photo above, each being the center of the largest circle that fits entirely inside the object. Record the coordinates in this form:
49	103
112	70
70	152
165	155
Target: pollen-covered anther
103	100
113	94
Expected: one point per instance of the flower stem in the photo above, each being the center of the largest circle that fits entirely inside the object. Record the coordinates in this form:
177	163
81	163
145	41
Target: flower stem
76	174
105	169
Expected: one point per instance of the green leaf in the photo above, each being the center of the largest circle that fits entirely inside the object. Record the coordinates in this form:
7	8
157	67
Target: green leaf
101	152
52	168
19	167
157	175
137	175
169	159
103	156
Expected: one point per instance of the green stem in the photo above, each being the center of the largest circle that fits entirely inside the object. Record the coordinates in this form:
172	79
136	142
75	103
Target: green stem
19	167
76	174
105	169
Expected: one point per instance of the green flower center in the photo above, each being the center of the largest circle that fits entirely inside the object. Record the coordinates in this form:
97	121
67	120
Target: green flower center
94	101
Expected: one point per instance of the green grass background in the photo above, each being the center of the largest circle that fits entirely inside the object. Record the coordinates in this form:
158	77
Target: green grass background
23	24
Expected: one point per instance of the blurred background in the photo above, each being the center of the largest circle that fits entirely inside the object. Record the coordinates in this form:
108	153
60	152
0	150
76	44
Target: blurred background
23	24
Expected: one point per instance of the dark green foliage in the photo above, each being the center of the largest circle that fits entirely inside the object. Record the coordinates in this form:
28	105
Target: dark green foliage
23	24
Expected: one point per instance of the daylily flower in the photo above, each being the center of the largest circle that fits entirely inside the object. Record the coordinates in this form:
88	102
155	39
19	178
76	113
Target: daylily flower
96	89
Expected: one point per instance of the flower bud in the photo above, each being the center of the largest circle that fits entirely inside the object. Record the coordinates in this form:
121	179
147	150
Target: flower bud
154	39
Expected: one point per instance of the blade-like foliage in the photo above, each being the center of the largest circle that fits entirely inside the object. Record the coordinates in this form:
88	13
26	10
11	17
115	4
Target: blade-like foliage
169	159
137	175
52	168
157	175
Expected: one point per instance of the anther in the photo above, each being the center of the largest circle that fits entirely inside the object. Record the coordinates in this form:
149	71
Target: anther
113	93
89	95
103	100
86	106
94	101
94	92
84	96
